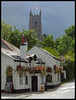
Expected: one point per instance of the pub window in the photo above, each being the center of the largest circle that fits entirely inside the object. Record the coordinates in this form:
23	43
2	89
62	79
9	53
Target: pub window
20	79
26	80
49	78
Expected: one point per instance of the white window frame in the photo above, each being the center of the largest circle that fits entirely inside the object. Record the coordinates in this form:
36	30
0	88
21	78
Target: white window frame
21	79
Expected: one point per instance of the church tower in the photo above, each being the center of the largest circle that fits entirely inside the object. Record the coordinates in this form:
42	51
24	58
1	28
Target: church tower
35	24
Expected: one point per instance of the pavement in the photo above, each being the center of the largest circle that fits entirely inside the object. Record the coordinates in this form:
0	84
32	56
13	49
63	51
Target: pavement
66	90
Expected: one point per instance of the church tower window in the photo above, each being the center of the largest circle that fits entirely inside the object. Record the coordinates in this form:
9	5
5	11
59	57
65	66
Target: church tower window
35	22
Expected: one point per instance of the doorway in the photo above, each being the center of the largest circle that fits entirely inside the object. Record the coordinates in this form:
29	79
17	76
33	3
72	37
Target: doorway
34	83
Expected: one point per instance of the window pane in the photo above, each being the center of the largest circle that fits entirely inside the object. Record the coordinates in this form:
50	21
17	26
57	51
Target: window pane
26	82
49	78
21	79
35	22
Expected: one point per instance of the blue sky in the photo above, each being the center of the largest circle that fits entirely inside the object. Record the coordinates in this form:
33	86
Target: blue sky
56	15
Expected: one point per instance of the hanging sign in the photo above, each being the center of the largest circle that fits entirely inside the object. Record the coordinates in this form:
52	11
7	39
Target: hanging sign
62	59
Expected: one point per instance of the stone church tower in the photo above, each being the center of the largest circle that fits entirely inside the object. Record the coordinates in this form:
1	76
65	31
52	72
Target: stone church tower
35	23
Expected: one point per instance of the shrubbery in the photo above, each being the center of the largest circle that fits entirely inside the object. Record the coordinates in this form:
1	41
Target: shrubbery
69	65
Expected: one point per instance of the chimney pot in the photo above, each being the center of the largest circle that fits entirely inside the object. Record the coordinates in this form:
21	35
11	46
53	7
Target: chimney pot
23	39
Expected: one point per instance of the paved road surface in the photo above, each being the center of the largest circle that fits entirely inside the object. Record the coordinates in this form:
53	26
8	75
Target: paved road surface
65	91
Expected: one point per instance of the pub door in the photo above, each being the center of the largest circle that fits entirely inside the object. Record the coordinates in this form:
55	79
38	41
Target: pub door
34	83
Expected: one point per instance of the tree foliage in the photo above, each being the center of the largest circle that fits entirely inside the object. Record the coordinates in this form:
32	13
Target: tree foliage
48	41
15	36
71	31
57	42
31	38
69	65
64	44
52	51
5	30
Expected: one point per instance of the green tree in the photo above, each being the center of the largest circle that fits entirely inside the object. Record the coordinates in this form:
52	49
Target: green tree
72	47
69	65
15	37
52	51
5	30
70	31
57	41
48	41
64	45
31	38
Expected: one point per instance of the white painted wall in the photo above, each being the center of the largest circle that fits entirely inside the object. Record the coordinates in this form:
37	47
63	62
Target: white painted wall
24	86
57	62
5	61
56	81
49	61
44	56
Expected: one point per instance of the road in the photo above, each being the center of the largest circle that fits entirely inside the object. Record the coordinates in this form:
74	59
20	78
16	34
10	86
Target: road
65	91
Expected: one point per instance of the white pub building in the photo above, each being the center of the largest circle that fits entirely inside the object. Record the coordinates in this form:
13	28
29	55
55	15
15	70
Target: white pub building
23	70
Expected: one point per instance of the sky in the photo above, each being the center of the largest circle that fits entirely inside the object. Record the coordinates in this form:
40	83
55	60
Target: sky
57	16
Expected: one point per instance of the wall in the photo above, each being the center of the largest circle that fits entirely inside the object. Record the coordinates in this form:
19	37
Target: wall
17	86
5	61
57	62
56	81
44	56
49	61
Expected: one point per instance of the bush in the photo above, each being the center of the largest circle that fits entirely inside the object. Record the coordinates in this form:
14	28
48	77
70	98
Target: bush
69	66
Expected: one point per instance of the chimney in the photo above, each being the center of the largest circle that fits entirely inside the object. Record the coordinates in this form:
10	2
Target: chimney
23	48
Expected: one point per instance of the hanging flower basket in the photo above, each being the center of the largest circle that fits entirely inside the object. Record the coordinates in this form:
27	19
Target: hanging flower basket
22	69
43	72
9	71
20	72
61	70
49	69
24	73
19	67
56	69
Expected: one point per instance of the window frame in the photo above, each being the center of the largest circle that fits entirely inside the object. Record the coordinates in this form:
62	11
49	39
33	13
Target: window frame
26	80
35	22
48	78
20	79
